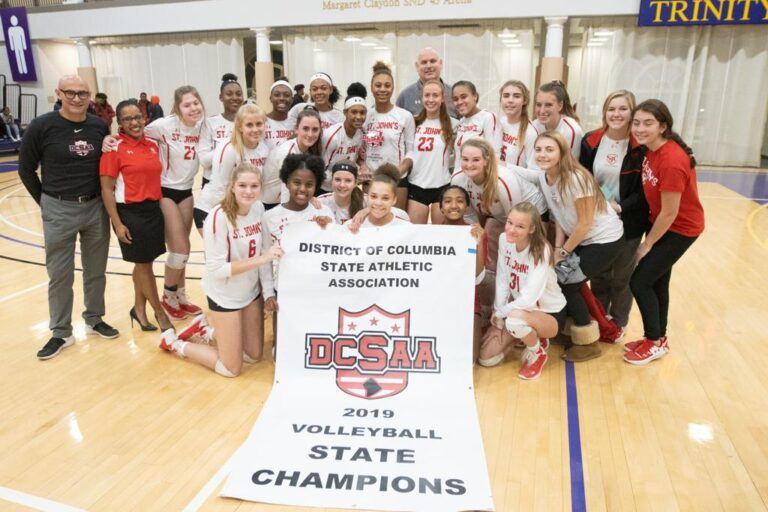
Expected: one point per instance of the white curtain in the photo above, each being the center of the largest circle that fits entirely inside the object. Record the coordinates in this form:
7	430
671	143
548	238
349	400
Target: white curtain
159	64
713	79
478	55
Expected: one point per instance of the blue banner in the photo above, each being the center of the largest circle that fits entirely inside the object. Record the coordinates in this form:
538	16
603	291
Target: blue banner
656	13
18	44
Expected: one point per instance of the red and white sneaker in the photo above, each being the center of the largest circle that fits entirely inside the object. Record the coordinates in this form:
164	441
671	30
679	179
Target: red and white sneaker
198	323
166	340
206	335
544	343
631	346
533	363
646	352
172	308
185	305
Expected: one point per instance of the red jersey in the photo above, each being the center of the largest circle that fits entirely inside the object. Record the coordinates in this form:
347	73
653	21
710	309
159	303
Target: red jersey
136	166
668	169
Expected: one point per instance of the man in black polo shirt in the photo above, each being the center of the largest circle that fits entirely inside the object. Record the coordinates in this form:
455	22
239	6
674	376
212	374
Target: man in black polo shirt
67	146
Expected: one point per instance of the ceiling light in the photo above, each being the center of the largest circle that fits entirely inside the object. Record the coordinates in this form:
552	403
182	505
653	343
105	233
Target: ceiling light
381	48
594	44
604	33
317	49
598	39
507	35
351	39
367	44
276	41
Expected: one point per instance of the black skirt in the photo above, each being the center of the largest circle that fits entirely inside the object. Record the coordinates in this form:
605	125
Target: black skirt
145	222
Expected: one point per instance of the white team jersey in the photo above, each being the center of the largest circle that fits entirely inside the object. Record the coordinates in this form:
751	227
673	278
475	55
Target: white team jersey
430	156
327	119
483	124
606	226
271	185
276	132
337	146
510	148
220	133
388	137
225	160
179	147
341	215
225	243
396	221
275	221
511	189
522	284
569	129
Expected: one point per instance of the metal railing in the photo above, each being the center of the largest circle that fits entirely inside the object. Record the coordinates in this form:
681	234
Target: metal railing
27	108
23	105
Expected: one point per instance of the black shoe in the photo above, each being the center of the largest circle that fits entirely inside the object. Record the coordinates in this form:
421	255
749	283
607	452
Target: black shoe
103	329
144	327
54	346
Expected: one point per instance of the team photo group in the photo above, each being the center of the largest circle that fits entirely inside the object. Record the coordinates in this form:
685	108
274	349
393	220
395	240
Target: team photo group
574	224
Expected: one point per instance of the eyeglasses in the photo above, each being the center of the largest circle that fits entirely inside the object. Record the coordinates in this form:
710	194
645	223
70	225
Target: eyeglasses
130	119
70	95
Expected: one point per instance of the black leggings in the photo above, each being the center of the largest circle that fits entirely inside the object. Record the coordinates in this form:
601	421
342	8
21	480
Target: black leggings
650	282
594	260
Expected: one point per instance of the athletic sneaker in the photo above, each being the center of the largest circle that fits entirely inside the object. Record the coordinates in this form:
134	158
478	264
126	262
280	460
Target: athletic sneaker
54	346
193	328
205	334
185	305
533	363
646	352
544	343
103	329
166	340
172	308
631	346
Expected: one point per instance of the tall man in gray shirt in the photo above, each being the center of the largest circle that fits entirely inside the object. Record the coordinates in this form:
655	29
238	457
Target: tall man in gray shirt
429	65
66	144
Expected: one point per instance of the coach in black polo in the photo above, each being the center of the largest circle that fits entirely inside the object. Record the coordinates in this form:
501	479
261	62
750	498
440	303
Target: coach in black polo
66	144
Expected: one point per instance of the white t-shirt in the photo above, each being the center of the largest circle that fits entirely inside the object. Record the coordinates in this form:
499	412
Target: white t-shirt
271	186
224	162
274	223
179	147
569	129
510	148
219	133
484	124
523	285
327	119
607	165
337	146
388	137
430	156
512	189
606	226
225	243
277	132
396	221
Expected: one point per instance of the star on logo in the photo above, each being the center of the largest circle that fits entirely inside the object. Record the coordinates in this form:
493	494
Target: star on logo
352	326
374	321
395	328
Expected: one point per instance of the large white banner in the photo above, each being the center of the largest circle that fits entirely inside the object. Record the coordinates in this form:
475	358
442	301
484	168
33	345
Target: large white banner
373	405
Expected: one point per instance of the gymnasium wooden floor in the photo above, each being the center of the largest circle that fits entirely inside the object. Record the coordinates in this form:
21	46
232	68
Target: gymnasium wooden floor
121	425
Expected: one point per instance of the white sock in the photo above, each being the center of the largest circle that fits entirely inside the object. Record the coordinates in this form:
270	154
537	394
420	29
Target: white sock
179	346
535	347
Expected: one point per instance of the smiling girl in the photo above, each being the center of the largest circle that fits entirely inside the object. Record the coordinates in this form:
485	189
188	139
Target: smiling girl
517	131
474	122
344	141
382	195
278	127
237	272
231	97
554	112
324	95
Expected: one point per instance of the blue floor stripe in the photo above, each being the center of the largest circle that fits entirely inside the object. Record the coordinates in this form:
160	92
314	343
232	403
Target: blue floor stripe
578	497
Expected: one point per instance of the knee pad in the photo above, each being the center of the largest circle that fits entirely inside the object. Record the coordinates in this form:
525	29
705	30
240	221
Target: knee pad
223	371
176	261
517	327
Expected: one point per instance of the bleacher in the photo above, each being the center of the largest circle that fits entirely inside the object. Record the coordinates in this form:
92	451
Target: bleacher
23	107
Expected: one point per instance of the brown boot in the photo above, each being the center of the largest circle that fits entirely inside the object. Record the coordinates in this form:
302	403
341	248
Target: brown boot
585	345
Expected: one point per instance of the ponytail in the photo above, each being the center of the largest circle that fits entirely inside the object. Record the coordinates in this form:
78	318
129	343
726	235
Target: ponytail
557	88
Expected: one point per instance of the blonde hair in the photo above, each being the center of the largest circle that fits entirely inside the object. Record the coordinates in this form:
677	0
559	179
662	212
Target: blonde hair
236	139
621	93
570	173
491	172
537	241
524	119
229	203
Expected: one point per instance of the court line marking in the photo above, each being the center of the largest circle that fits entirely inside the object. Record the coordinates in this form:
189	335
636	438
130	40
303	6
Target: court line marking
578	496
211	486
22	292
750	225
35	502
2	217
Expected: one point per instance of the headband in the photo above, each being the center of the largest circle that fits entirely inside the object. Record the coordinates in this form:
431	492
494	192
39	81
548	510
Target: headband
344	166
280	82
354	100
323	77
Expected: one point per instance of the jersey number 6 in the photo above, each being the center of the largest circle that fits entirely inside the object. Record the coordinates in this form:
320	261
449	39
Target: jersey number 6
252	248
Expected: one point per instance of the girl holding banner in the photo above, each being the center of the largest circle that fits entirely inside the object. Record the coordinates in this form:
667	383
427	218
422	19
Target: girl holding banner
237	271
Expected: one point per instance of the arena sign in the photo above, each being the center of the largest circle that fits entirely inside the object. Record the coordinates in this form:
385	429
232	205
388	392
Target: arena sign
655	13
373	404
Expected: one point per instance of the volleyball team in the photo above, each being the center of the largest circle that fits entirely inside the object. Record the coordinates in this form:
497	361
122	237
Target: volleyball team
570	226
